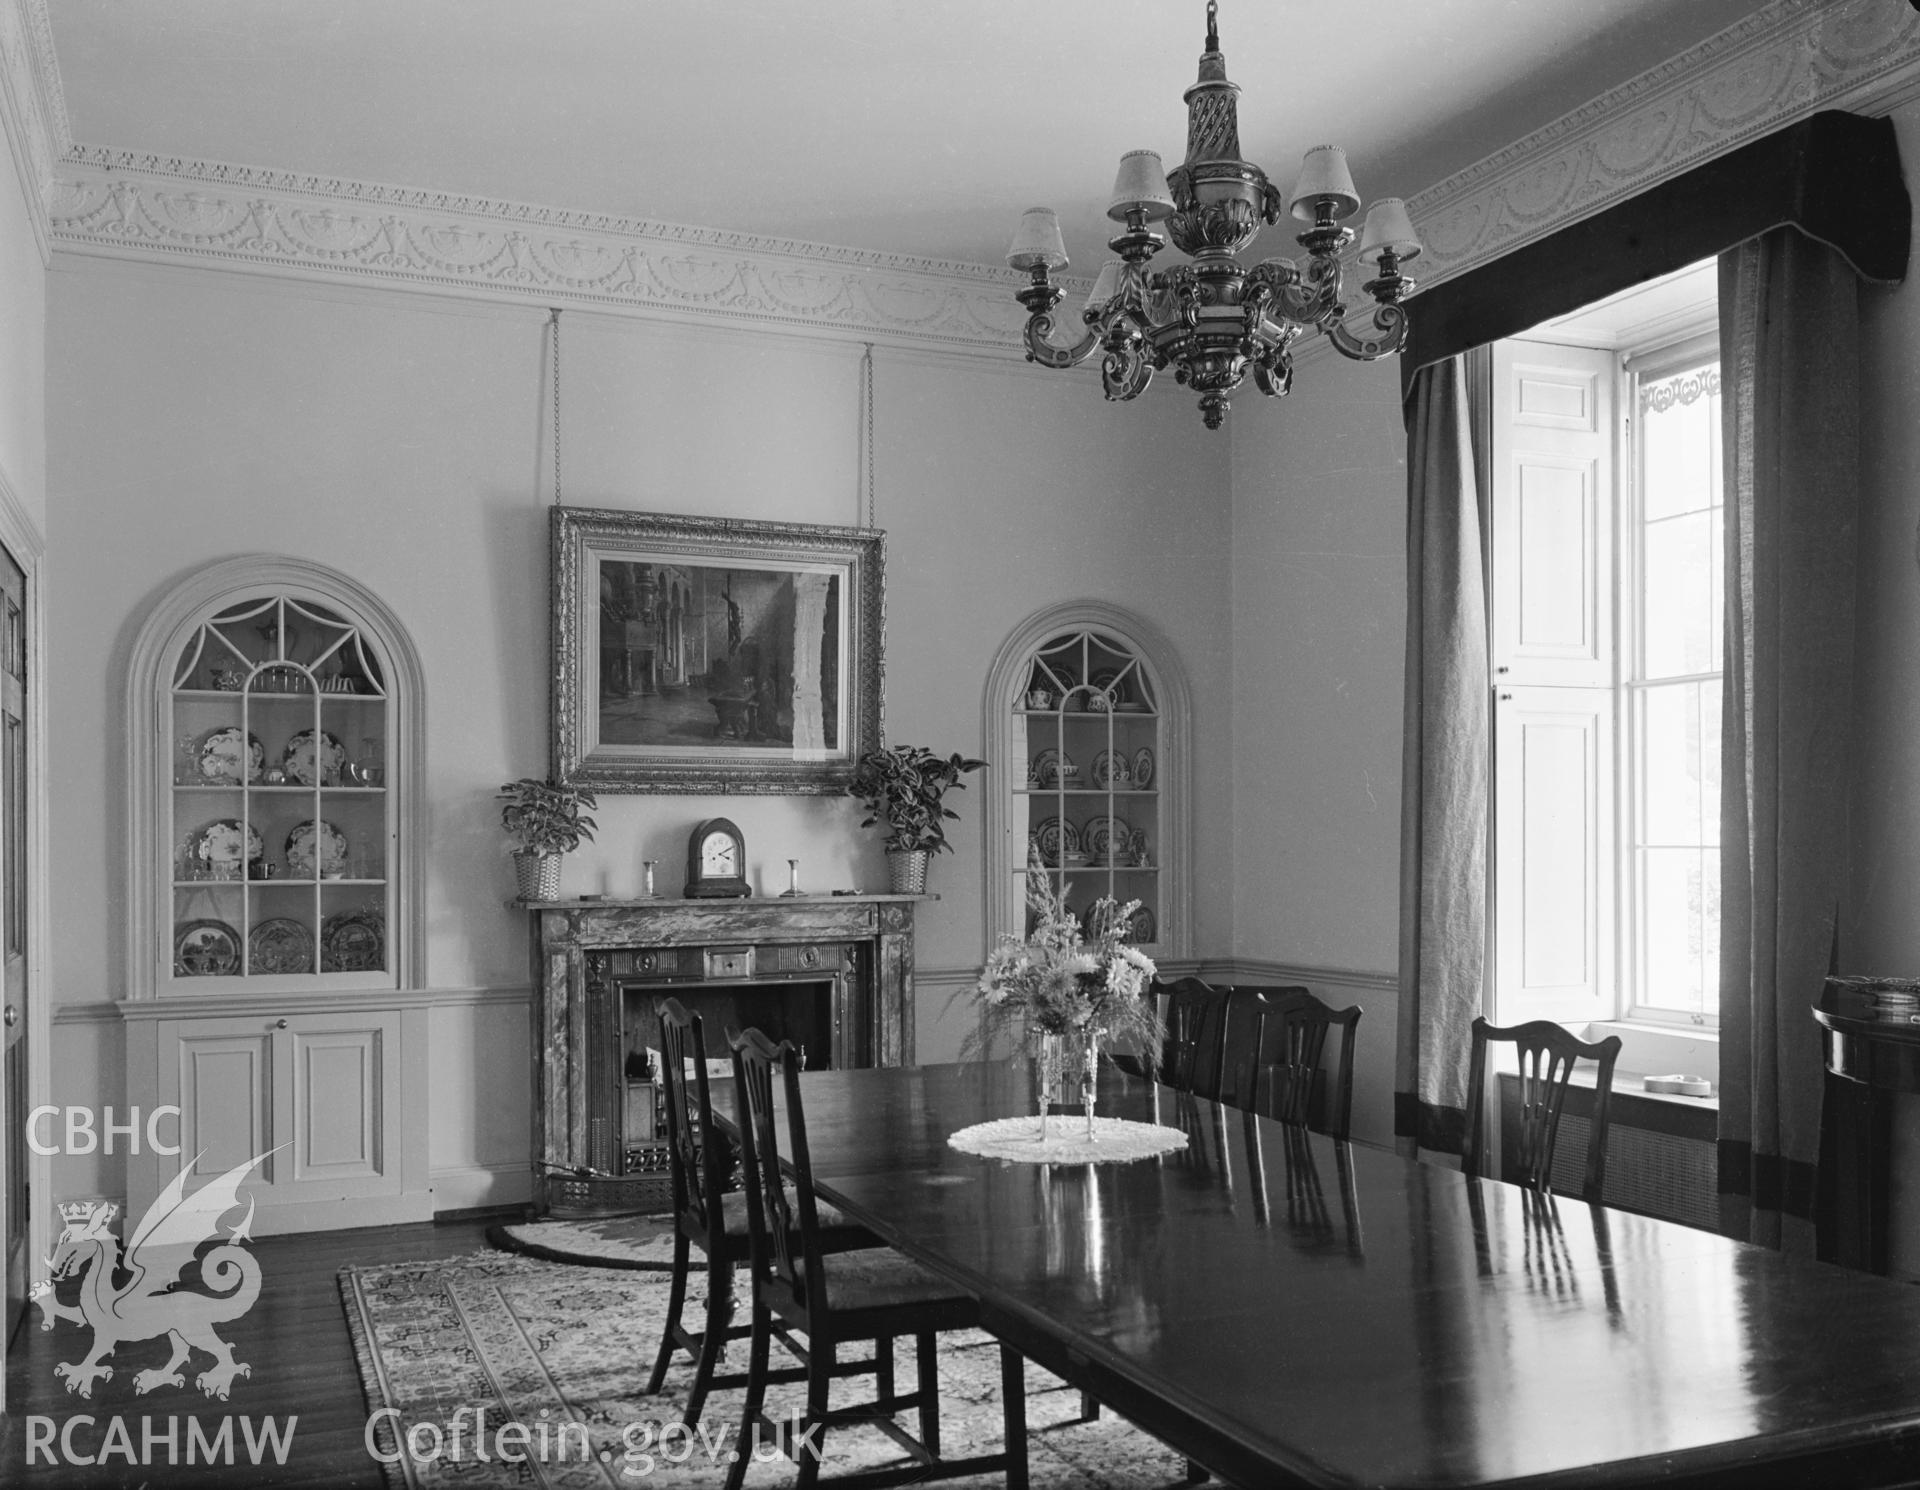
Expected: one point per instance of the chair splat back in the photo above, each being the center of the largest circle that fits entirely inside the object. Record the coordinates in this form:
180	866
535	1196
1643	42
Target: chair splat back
1196	1037
1289	1045
699	1171
1546	1053
785	1217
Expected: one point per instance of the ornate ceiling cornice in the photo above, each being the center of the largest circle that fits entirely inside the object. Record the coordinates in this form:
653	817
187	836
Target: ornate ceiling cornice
146	206
1778	65
33	108
1783	62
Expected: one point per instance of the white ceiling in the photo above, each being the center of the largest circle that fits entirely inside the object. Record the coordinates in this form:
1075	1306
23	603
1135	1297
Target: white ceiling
908	126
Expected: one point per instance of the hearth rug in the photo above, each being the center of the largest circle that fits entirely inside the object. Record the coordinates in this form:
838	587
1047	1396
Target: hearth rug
547	1361
608	1242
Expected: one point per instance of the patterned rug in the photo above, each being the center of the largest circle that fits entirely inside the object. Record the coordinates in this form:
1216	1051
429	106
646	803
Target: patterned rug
644	1242
549	1360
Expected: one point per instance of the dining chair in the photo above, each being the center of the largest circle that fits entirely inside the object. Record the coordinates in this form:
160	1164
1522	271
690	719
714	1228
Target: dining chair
1194	1054
707	1214
1283	1076
1545	1053
872	1296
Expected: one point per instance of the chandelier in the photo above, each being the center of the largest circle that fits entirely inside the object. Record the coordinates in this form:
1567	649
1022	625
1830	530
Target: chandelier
1213	319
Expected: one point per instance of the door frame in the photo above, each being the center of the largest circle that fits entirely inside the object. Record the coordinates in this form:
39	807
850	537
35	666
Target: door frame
22	538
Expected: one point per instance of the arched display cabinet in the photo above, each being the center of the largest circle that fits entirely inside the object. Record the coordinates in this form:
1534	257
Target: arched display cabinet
1087	724
273	741
275	749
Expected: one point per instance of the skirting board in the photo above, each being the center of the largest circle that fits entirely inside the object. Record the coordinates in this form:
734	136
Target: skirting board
479	1186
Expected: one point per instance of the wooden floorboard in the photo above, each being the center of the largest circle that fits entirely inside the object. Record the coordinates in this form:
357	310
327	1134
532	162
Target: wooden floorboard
295	1338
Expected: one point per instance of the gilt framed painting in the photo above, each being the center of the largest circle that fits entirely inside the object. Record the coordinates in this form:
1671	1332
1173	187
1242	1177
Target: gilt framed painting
697	654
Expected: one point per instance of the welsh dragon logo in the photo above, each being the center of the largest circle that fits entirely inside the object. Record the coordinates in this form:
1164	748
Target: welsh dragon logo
150	1302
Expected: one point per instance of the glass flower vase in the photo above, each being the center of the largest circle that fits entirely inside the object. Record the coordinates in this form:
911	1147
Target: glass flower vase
1049	1054
1089	1070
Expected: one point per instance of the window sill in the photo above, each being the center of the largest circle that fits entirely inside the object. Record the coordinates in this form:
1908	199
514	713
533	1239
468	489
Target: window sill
1654	1050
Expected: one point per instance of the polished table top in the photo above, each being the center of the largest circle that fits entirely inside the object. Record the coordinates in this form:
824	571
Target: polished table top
1312	1311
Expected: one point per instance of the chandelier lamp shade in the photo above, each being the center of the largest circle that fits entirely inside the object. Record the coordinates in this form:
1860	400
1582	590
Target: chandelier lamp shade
1213	319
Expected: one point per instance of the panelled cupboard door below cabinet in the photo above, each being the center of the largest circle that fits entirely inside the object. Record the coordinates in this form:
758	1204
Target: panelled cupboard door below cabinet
321	1100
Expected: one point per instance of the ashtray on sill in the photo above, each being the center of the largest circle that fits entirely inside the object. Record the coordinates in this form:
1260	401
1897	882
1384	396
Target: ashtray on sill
1680	1086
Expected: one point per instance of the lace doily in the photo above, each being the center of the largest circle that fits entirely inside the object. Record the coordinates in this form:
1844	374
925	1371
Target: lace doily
1018	1139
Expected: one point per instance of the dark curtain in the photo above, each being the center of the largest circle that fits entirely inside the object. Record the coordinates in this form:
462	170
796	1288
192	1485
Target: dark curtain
1790	369
1444	780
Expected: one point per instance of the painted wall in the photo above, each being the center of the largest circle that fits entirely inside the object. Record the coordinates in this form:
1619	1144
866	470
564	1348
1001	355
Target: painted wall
193	415
1319	597
23	327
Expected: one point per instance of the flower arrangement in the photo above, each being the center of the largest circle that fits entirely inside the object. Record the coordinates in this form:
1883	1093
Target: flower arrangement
1074	980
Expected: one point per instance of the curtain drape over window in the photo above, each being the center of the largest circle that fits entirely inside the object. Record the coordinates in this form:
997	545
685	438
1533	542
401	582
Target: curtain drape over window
1790	370
1444	772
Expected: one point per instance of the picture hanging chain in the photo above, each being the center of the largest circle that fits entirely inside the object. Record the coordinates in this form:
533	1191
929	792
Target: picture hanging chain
866	380
553	320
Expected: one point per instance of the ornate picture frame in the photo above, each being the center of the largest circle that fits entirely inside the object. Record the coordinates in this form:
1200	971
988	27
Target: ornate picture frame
708	655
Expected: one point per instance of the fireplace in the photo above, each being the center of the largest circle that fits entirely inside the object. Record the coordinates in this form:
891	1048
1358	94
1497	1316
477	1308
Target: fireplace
800	1012
834	974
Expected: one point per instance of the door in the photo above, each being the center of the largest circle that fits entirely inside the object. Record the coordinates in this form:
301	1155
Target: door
14	768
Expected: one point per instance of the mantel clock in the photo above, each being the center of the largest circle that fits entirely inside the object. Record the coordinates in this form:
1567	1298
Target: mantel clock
716	861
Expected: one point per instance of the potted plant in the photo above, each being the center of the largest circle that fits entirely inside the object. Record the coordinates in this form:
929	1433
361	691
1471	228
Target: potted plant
904	786
547	822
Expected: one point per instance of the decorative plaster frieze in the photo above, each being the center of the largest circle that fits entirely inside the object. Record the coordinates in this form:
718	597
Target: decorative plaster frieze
1764	72
1775	66
245	218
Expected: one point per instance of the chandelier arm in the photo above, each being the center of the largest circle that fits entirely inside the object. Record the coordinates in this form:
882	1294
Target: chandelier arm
1128	367
1040	348
1390	324
1273	375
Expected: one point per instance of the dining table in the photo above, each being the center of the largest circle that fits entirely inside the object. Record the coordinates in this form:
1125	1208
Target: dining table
1286	1308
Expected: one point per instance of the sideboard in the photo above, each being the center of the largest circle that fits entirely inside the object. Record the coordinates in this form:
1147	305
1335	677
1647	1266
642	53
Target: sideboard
834	973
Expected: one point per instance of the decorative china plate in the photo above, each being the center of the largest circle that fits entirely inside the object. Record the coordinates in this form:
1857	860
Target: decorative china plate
280	945
1108	839
221	754
300	763
205	949
332	851
1054	836
225	845
1111	769
1143	767
354	942
1051	768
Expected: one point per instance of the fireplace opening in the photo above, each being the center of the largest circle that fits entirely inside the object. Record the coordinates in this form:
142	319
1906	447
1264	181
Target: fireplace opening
781	1010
